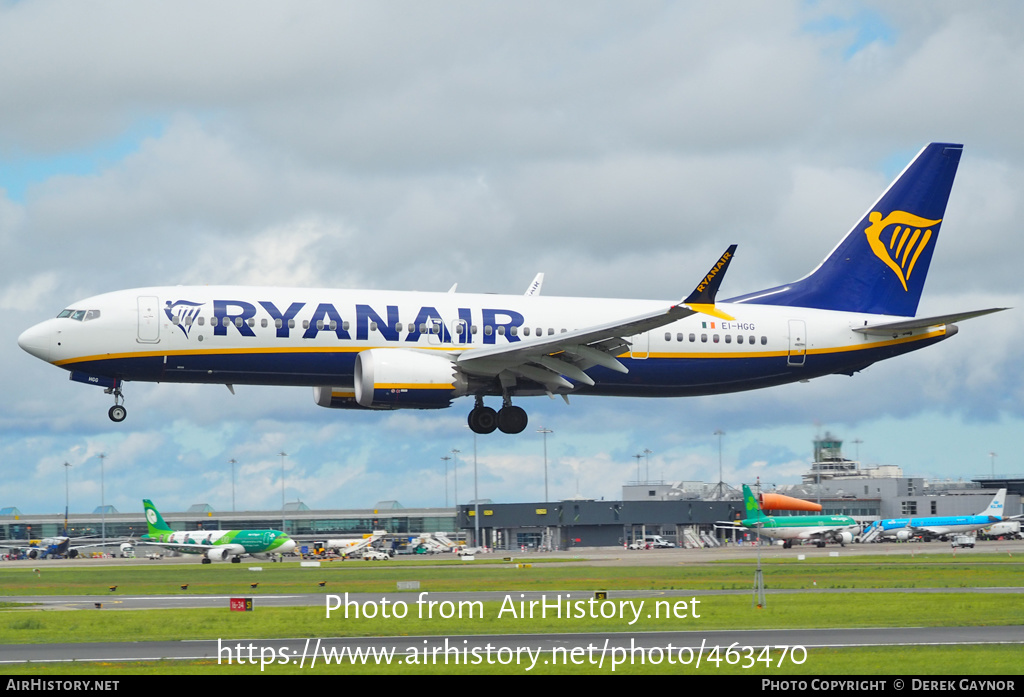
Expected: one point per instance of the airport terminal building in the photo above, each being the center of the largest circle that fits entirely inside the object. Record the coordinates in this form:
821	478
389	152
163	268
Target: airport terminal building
684	513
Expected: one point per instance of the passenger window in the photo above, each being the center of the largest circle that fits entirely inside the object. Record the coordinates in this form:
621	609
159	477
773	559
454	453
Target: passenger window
487	330
472	329
291	323
668	336
201	321
514	330
175	320
750	339
715	338
305	324
345	325
501	331
728	338
679	336
693	337
551	331
764	340
373	326
526	331
739	338
263	323
334	325
703	338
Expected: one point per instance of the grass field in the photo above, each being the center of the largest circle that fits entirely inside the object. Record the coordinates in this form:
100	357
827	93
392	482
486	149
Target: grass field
854	606
931	571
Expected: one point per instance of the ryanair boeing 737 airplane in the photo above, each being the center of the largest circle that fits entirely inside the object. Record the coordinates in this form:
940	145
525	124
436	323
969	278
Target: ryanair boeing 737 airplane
368	349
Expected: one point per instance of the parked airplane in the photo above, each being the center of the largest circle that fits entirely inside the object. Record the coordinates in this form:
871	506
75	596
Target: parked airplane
940	526
1007	528
45	548
214	545
363	349
820	528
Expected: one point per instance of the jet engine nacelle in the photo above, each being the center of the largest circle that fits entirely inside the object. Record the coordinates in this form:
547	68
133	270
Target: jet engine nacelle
219	553
402	379
335	397
845	538
903	535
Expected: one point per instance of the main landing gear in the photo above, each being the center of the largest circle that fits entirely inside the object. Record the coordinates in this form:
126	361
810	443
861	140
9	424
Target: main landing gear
510	419
117	413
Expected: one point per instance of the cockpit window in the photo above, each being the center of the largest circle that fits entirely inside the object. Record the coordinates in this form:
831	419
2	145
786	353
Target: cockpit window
79	315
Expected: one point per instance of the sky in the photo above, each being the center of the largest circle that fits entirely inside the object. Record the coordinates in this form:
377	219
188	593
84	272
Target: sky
617	147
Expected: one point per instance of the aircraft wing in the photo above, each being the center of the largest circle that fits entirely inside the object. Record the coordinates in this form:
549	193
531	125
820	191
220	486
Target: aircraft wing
569	354
922	322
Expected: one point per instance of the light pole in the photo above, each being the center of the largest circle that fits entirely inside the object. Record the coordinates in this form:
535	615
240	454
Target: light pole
455	476
993	459
647	464
638	458
283	455
476	499
103	502
233	461
67	466
720	488
544	431
446	459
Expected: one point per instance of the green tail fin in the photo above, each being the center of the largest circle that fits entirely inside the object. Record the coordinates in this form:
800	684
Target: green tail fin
154	521
750	502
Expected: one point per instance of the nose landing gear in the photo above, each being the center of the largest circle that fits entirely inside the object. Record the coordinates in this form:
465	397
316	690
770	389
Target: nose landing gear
117	413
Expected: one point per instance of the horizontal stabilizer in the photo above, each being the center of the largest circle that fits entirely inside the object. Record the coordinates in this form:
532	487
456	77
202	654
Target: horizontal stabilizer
923	322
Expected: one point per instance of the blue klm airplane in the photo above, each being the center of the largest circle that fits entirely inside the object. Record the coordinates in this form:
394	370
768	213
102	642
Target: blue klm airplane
940	526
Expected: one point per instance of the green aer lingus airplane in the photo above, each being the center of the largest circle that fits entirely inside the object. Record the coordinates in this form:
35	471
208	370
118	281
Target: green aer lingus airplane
820	528
214	545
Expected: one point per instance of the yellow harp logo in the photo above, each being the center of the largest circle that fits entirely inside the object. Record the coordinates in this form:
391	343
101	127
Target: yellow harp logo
898	240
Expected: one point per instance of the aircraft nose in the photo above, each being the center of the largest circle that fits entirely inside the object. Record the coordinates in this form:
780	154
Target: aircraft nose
36	340
287	547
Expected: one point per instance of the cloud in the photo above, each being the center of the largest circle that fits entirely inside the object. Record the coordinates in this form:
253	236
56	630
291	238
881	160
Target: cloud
619	150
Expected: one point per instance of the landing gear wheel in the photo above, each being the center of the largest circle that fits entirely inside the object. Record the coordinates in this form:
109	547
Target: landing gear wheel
117	413
236	560
206	560
512	419
483	420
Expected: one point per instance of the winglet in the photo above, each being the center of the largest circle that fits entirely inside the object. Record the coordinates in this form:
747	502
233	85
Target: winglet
702	299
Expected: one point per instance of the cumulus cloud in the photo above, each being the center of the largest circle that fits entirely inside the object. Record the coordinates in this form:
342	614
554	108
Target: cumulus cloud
619	150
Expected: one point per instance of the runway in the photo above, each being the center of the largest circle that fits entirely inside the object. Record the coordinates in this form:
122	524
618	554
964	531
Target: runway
586	646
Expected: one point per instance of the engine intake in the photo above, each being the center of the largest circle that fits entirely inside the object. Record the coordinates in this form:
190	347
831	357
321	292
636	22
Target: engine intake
402	379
